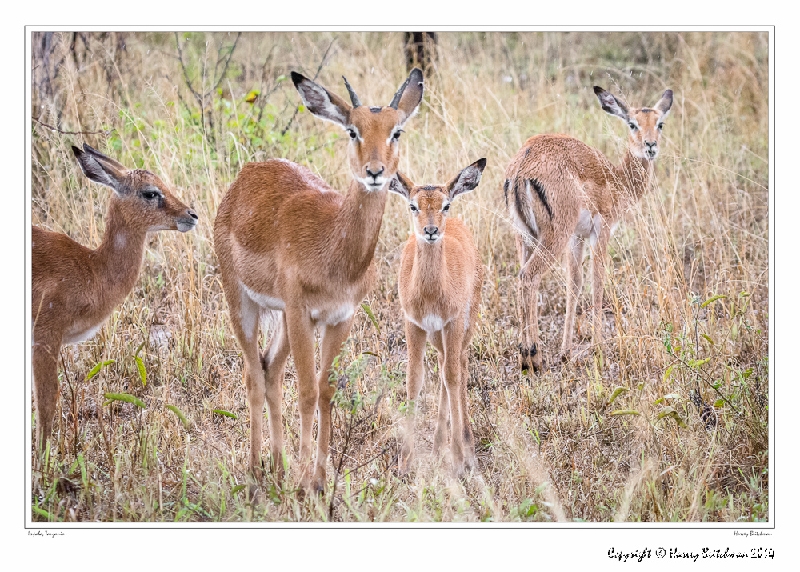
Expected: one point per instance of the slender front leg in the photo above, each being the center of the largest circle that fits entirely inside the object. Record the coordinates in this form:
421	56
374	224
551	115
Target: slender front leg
469	438
301	340
45	385
440	436
415	342
599	254
573	262
332	339
453	337
523	299
274	365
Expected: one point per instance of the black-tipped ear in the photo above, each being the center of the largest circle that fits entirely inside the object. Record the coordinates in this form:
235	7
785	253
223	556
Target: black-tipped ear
320	101
664	104
467	179
401	185
409	96
611	104
99	168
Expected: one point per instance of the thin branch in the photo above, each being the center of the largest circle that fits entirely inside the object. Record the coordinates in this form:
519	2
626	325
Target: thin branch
319	69
228	61
56	129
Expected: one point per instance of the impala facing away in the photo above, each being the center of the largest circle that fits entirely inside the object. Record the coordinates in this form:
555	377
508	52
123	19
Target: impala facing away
288	242
440	290
561	192
75	288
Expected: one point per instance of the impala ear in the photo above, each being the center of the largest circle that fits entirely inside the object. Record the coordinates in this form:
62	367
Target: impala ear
401	185
99	168
664	104
611	104
409	96
320	101
467	179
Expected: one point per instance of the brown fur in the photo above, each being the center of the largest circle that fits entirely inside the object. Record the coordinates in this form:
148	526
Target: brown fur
74	288
440	290
553	185
286	241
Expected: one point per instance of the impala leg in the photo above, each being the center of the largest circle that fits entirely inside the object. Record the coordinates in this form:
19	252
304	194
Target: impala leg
332	340
301	340
440	436
453	337
415	341
573	262
599	254
468	437
274	365
245	314
45	382
523	297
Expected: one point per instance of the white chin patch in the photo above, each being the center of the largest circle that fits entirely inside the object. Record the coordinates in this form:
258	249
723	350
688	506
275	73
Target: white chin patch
372	185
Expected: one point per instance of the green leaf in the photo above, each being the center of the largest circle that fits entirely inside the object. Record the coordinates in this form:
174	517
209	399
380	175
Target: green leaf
708	339
712	300
126	397
96	369
667	372
617	392
625	412
237	488
180	415
44	513
368	310
670	412
747	373
697	362
226	413
142	371
719	403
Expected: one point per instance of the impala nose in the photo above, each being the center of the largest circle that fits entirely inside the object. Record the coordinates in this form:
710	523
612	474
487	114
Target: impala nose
651	148
375	175
192	214
431	232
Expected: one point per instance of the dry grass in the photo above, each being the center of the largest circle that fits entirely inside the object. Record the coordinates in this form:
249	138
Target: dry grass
549	447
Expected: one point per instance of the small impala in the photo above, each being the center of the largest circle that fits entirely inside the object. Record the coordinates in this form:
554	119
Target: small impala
561	192
289	243
74	288
440	290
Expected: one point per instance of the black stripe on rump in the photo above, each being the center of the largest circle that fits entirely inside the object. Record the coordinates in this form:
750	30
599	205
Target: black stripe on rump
542	196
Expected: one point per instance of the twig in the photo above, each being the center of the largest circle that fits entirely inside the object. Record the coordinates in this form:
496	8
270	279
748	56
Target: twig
57	130
319	69
228	61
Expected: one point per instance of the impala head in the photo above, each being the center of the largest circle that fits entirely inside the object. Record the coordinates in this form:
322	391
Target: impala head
644	125
146	199
430	204
374	131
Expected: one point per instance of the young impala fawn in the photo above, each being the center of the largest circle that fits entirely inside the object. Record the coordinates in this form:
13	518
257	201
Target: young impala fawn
288	242
440	290
74	288
560	192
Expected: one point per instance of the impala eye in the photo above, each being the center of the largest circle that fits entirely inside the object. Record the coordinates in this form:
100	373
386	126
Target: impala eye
413	207
396	134
632	126
660	126
352	133
150	195
446	208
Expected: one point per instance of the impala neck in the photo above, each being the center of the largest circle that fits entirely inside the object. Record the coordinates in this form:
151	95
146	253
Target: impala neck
633	176
119	256
429	268
357	227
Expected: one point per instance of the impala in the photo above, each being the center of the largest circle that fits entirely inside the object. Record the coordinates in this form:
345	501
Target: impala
74	288
440	290
288	243
561	192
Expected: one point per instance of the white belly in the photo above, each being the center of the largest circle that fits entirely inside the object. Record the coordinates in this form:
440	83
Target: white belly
73	337
332	316
430	323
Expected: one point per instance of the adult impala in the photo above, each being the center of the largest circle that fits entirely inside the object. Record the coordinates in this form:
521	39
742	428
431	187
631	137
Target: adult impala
74	288
288	243
440	290
561	192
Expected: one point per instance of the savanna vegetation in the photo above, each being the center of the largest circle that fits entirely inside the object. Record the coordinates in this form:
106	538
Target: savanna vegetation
666	421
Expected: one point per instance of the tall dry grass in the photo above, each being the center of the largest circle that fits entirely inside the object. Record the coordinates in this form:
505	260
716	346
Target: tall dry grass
667	421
